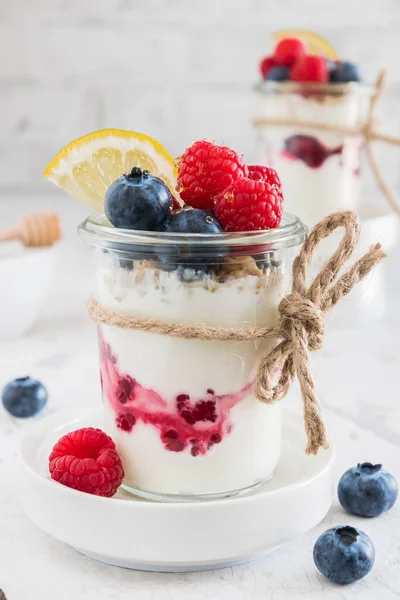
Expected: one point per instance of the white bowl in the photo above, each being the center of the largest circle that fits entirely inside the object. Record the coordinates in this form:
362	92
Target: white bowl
25	275
135	533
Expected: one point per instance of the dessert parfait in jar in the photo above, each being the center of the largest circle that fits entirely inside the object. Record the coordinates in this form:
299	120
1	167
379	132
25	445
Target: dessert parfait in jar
306	100
182	409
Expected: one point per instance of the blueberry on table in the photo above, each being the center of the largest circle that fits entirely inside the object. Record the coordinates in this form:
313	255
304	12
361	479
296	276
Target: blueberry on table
344	554
138	200
344	73
24	397
190	221
367	490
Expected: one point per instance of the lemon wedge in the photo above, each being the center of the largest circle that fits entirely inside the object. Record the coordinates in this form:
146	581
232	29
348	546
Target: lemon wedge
89	165
314	42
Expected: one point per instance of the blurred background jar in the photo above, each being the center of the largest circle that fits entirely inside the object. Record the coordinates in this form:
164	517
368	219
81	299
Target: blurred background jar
319	168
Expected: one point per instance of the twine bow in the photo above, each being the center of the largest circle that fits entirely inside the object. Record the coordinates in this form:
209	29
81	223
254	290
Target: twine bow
368	132
301	321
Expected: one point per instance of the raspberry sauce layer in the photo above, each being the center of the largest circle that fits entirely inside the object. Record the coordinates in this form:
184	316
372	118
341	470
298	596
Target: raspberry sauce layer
309	150
194	425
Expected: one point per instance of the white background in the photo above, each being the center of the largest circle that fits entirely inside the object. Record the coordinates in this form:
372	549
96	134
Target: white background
175	69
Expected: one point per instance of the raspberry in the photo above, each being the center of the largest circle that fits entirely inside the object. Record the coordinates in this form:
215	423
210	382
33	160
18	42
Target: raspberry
126	421
172	442
266	65
87	460
310	68
261	173
124	389
288	51
205	170
203	410
249	205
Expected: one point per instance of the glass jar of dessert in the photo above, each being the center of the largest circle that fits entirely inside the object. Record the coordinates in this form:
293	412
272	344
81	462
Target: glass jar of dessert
183	412
193	243
319	169
309	107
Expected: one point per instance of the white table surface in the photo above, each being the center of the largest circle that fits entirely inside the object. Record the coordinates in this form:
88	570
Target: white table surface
357	376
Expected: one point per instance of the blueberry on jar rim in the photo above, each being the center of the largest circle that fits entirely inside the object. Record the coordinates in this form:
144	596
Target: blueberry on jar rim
278	74
345	72
190	221
138	200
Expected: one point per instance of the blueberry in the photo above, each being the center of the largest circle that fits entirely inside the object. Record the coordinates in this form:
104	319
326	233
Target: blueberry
367	490
138	200
190	220
267	261
24	397
278	74
330	65
344	554
344	73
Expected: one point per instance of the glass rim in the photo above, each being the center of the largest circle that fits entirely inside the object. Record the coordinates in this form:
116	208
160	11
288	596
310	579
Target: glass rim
97	231
332	89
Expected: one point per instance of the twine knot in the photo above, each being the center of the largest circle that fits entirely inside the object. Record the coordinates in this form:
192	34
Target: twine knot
300	314
301	321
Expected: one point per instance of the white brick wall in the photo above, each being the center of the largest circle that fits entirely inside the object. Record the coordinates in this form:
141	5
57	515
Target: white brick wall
176	69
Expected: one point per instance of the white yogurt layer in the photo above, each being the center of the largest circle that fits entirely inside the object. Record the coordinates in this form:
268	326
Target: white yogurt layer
312	193
169	366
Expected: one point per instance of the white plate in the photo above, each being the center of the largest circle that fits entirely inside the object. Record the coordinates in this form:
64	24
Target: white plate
138	534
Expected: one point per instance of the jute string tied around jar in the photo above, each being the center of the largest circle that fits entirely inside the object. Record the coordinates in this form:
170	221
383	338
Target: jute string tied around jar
367	131
300	326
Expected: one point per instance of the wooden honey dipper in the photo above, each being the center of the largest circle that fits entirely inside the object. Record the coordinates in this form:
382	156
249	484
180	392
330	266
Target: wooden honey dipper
35	230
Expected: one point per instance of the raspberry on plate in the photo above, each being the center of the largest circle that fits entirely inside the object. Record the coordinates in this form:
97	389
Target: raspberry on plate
87	460
249	205
262	173
310	68
205	170
266	64
288	51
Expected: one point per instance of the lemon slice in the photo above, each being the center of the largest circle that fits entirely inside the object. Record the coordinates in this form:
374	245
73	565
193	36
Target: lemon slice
89	165
314	42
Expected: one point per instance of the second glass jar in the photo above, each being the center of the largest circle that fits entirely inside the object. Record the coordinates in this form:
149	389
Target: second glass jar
319	169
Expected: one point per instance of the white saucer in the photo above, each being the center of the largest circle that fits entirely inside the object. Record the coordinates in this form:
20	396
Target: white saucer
138	534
